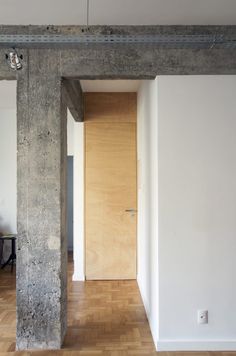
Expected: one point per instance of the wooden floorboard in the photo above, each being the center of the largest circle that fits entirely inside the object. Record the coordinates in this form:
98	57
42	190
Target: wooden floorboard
104	318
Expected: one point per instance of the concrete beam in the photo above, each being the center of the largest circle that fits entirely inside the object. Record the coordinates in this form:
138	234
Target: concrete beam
74	98
124	30
130	62
41	211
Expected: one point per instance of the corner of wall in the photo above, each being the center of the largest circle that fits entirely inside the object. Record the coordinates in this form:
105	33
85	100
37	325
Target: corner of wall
78	277
147	278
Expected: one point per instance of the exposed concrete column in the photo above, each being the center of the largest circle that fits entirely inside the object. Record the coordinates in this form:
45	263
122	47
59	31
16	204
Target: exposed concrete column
42	247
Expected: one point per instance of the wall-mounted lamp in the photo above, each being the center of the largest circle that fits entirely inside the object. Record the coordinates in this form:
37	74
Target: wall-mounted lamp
14	60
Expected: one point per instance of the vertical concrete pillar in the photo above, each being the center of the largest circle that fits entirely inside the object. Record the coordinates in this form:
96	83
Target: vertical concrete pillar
41	185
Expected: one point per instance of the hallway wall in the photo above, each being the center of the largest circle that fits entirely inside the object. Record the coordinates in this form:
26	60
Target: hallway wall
197	225
186	218
75	142
147	236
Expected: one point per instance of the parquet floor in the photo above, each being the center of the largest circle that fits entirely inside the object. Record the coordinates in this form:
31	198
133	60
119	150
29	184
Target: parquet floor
104	318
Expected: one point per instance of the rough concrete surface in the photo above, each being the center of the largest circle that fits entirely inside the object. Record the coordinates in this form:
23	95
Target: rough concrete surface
41	248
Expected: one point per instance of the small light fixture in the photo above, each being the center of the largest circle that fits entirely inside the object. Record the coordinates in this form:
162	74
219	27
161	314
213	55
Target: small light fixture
14	60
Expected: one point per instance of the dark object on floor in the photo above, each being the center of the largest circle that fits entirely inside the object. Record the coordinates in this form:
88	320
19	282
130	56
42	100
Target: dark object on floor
12	256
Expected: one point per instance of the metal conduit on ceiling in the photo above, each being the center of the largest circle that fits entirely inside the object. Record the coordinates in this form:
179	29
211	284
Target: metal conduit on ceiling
162	41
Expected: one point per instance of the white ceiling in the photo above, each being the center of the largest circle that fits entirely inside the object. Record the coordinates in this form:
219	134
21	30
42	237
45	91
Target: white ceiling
110	85
8	89
118	12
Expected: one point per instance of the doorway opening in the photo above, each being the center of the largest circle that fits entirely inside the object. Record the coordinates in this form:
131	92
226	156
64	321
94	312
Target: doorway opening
105	157
109	304
103	312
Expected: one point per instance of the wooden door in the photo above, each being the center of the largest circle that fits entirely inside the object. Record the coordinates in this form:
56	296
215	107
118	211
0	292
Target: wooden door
110	186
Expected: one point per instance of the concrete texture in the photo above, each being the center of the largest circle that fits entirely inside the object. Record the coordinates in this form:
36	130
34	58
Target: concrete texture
41	117
74	98
41	248
135	63
138	30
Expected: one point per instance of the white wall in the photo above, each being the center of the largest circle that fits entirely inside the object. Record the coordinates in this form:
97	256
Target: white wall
8	170
187	209
75	148
8	156
7	160
147	201
79	273
197	211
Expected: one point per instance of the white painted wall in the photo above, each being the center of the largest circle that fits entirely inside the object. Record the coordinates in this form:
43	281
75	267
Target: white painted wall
75	148
7	176
7	160
8	170
197	211
79	273
187	209
147	201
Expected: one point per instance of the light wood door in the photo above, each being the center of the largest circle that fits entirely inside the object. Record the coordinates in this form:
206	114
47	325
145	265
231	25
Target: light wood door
110	192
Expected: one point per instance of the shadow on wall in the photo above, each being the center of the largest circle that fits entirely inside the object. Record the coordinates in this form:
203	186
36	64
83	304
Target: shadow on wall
5	246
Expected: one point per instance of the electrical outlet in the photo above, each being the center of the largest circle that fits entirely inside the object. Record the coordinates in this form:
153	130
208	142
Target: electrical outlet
202	316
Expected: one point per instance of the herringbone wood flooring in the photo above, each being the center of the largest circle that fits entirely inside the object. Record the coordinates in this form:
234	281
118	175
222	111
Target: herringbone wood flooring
104	318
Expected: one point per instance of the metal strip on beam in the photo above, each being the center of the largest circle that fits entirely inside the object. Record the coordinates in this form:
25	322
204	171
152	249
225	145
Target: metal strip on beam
166	41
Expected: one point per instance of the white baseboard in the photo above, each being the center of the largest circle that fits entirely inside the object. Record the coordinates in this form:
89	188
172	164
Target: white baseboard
196	345
78	277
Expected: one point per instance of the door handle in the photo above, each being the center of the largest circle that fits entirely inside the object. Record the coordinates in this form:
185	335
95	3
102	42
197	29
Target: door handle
131	210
